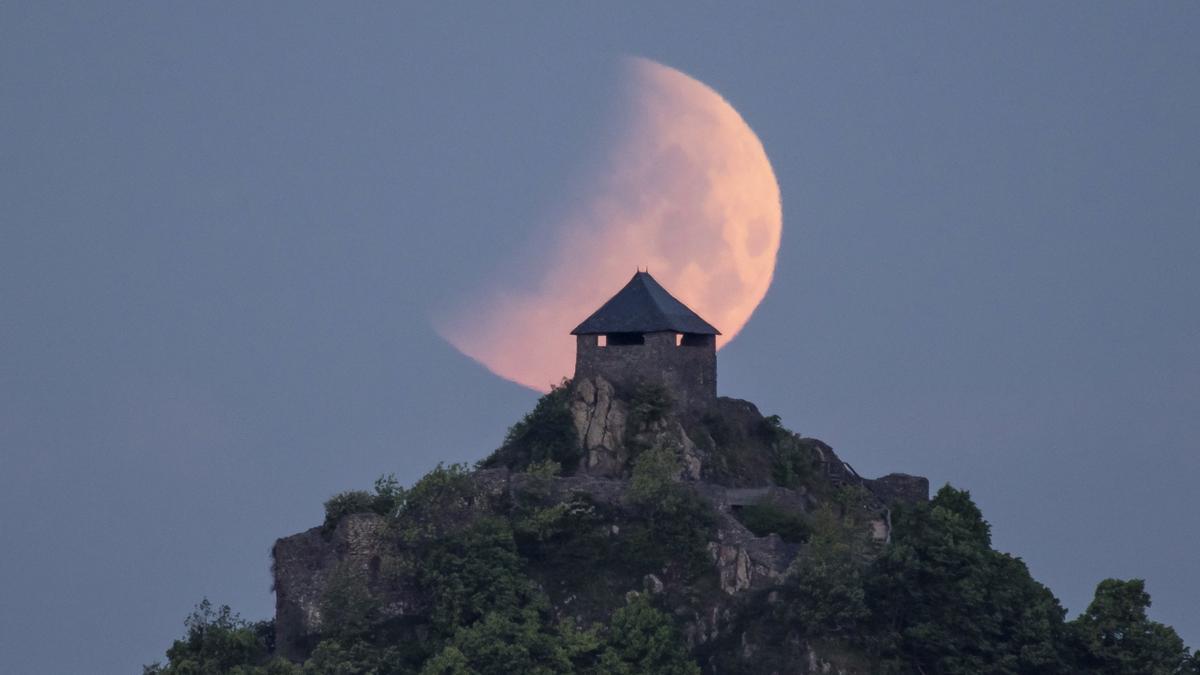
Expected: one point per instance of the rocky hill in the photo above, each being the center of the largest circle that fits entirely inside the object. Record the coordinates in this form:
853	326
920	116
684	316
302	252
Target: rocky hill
614	533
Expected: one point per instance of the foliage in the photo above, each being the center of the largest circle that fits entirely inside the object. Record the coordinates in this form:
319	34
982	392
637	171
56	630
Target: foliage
650	403
354	656
506	642
540	480
942	601
347	606
642	639
793	465
387	496
218	641
344	504
546	433
937	600
736	454
569	520
793	461
823	590
1116	638
442	500
473	573
676	521
763	519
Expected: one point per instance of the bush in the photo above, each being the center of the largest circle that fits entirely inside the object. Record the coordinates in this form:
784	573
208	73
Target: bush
763	519
387	498
444	499
546	433
344	504
219	641
642	639
824	586
650	403
793	461
675	521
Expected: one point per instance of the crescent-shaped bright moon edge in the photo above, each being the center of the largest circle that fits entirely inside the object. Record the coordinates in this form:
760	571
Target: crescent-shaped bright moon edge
690	194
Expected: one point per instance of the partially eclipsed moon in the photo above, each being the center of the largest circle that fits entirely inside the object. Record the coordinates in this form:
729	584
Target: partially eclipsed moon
689	194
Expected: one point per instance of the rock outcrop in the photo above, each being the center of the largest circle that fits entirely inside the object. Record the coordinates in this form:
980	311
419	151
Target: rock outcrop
727	457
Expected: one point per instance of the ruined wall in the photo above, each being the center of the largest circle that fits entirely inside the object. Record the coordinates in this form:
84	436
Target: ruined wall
303	566
900	487
689	371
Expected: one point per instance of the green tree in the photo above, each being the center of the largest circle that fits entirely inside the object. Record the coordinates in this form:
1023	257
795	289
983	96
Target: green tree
642	639
355	656
219	642
546	433
675	521
474	573
1116	637
650	403
515	641
823	590
942	601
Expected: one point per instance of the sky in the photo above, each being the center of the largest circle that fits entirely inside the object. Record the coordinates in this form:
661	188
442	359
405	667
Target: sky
225	232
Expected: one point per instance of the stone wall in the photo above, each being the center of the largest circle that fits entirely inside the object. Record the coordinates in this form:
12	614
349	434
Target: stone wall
303	566
688	371
900	487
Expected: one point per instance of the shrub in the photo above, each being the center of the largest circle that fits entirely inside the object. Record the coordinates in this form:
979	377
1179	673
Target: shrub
793	461
824	586
642	639
444	498
774	431
219	641
546	433
650	403
675	520
763	519
344	504
386	499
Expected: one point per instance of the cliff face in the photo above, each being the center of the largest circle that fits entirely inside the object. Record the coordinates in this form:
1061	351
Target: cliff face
754	485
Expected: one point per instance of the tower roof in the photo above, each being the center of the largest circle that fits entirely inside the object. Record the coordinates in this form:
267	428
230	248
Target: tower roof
643	306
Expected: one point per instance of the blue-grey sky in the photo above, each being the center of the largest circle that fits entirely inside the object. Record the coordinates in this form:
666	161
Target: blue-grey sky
224	228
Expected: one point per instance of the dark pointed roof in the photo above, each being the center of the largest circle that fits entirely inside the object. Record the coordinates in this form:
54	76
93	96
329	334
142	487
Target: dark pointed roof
643	306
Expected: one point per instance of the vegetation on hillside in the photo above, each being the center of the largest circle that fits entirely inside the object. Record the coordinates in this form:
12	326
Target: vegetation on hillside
940	600
536	581
546	433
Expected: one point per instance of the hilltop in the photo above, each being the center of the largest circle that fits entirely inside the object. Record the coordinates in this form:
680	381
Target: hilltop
617	531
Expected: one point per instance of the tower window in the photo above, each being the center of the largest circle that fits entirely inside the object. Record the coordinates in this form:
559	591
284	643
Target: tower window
623	339
695	340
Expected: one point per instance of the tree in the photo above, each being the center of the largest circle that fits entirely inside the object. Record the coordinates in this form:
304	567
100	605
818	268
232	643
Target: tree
1115	636
943	601
219	642
823	591
641	639
546	433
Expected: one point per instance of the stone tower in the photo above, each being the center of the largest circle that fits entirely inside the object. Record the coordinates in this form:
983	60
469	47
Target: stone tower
644	334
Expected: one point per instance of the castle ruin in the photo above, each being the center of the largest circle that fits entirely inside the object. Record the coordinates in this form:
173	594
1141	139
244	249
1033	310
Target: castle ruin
643	334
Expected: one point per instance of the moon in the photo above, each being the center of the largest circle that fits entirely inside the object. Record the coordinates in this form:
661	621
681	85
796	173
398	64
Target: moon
687	191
